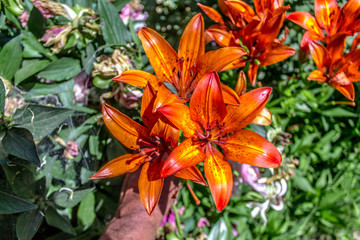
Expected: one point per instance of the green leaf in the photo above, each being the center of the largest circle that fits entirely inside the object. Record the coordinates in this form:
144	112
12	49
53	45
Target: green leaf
10	204
70	199
40	120
2	96
113	28
219	231
302	183
30	67
44	89
10	58
86	212
339	112
33	48
19	142
28	224
61	69
53	218
36	23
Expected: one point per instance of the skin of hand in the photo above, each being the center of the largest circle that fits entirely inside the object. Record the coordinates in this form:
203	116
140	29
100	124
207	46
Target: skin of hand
131	221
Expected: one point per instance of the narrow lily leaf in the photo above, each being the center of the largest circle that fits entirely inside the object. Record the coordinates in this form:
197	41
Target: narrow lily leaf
19	142
2	96
126	130
219	176
186	155
11	204
207	105
28	224
240	116
150	184
120	165
249	147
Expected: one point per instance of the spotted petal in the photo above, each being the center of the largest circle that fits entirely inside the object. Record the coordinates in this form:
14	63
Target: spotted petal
138	78
192	174
161	55
150	184
251	104
207	105
219	176
124	164
123	128
305	20
249	147
326	13
187	154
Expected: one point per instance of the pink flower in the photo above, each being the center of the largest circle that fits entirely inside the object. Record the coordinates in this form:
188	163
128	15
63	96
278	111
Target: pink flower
71	150
24	18
134	10
251	175
203	222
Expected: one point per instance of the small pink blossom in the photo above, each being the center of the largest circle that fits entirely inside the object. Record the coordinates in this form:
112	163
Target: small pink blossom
24	18
203	222
71	150
251	175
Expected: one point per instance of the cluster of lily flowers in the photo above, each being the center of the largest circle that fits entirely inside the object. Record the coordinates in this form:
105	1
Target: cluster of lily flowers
186	100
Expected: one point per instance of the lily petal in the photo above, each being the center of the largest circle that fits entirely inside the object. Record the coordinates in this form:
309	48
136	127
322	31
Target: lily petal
138	78
187	154
221	36
251	104
307	21
230	96
164	97
192	174
320	55
242	8
240	87
336	47
207	105
264	118
192	46
161	55
124	164
348	14
212	13
252	72
147	104
249	147
346	90
150	185
326	13
219	176
179	115
277	52
317	75
166	131
123	128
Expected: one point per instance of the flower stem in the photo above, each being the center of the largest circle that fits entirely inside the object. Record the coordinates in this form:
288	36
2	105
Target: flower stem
177	221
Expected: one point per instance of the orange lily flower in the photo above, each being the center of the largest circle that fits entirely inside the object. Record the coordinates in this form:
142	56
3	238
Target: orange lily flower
183	69
329	21
255	31
151	144
334	68
207	123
